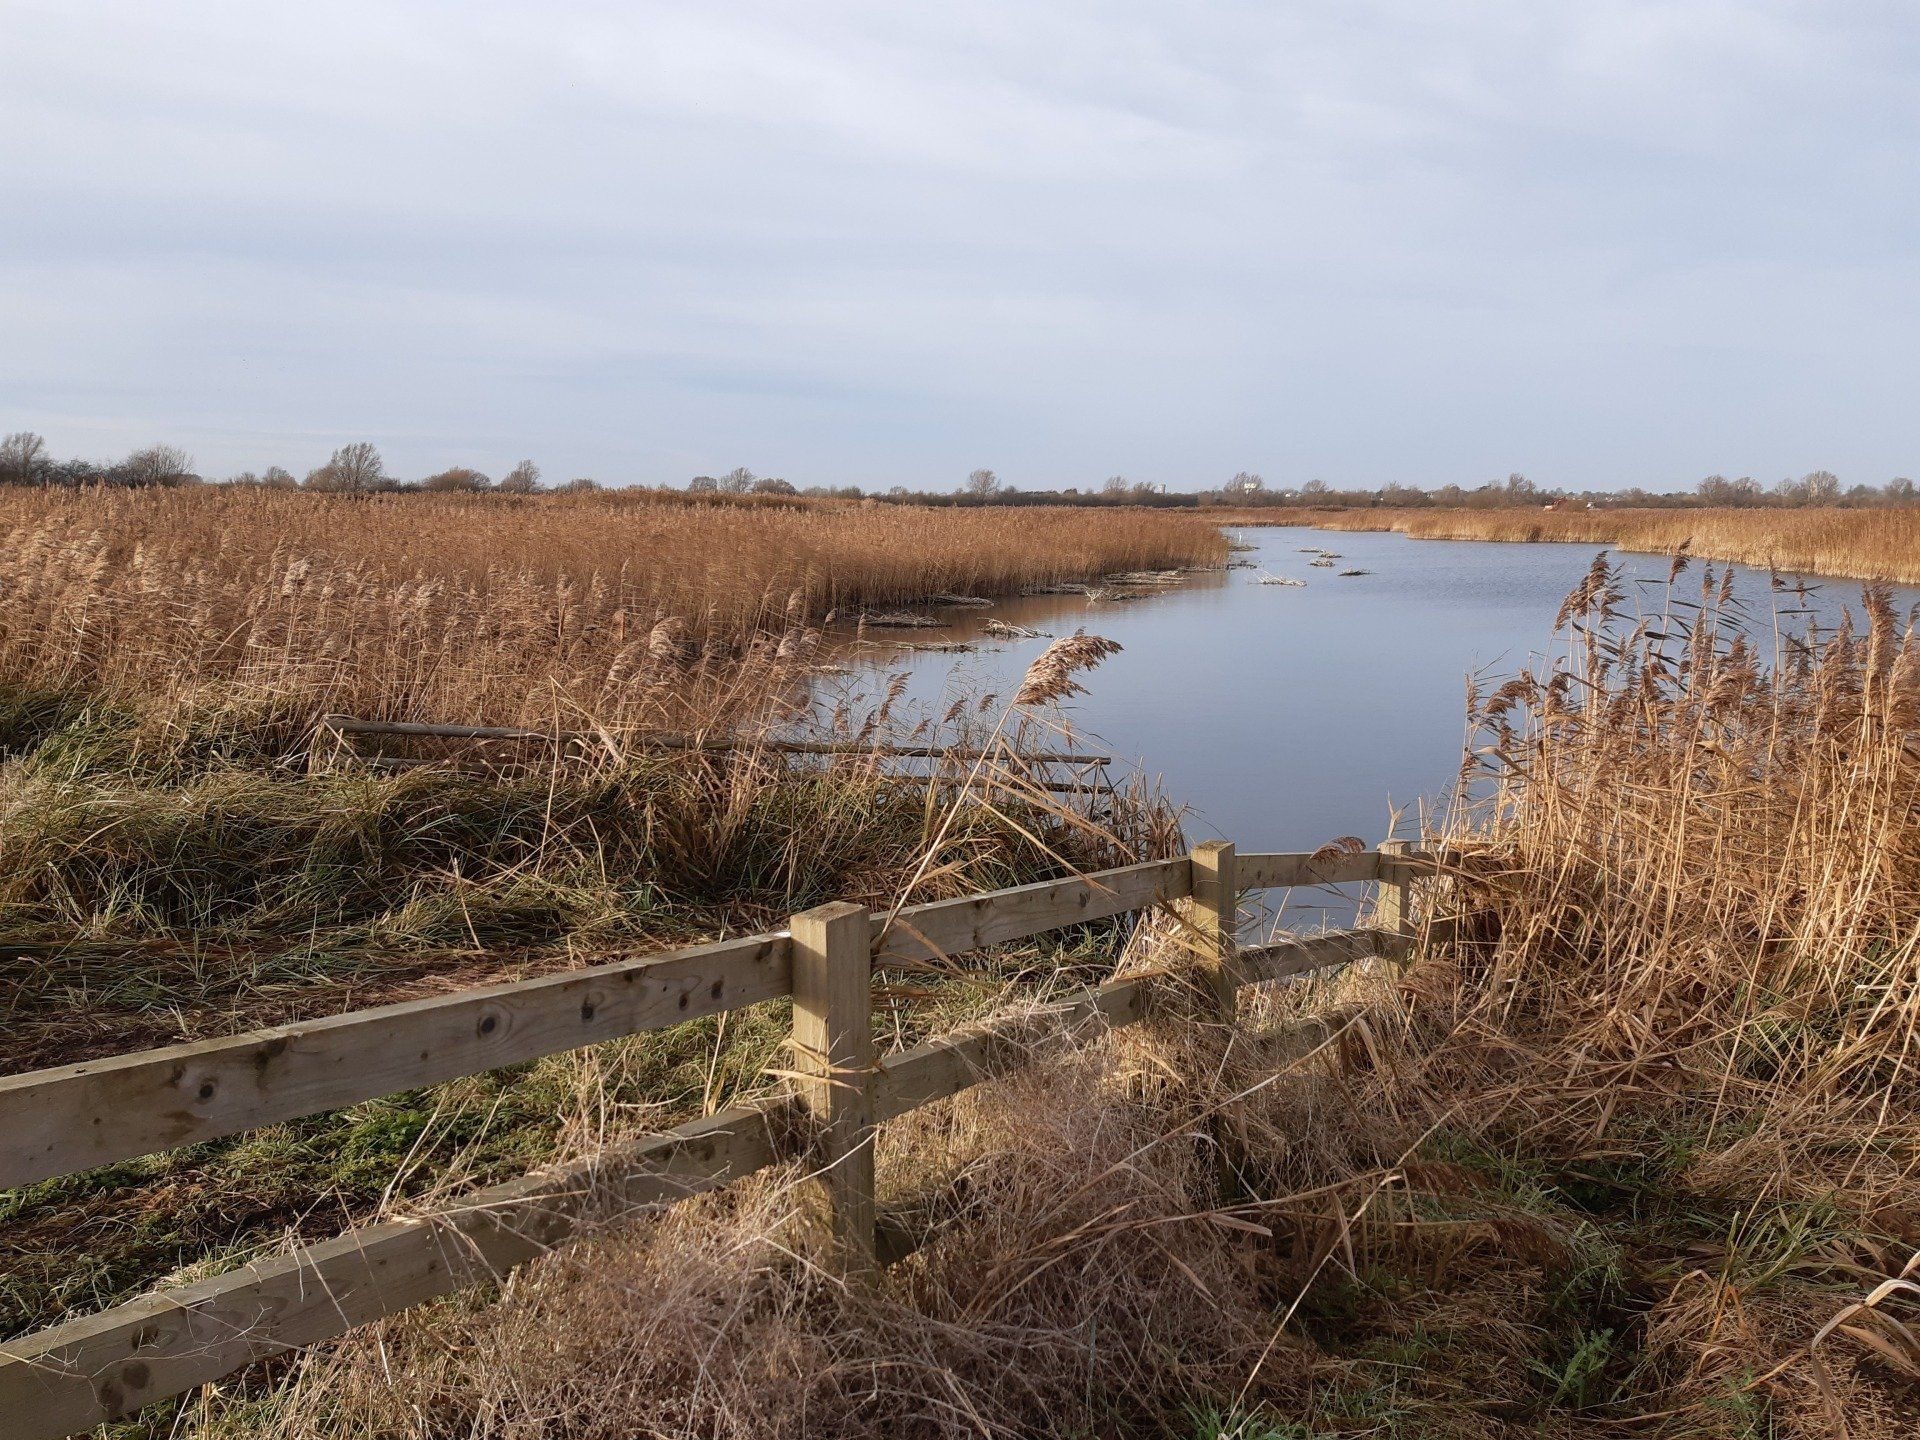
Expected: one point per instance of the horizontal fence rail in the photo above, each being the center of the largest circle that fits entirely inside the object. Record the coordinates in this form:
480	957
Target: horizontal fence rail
86	1371
55	1122
59	1121
343	725
1047	771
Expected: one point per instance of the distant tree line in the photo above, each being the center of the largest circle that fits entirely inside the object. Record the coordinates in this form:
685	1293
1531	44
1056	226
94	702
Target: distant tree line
351	469
358	469
24	460
984	487
1821	487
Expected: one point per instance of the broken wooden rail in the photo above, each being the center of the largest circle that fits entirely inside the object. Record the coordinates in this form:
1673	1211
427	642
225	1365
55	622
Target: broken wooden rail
659	740
86	1371
1083	773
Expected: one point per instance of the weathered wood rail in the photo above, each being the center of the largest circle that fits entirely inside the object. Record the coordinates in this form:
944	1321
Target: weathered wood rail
83	1372
1053	771
346	725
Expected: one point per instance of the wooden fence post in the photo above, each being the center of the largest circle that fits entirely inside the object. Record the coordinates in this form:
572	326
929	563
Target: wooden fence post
1214	908
833	1056
1393	907
1216	901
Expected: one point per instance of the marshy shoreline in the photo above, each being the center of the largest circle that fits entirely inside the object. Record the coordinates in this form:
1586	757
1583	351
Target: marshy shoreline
1878	545
1625	1139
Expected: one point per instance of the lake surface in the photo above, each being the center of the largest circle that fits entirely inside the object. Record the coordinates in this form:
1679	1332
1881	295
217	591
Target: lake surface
1285	717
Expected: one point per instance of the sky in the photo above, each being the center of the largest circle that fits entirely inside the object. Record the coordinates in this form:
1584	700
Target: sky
1365	241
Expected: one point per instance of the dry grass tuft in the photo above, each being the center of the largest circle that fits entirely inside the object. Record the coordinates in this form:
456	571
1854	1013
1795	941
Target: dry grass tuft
1065	1288
1693	983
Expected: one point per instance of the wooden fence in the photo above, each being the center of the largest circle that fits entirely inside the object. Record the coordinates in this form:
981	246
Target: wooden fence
1052	771
79	1374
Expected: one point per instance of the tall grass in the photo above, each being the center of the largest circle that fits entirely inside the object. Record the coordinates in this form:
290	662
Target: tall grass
1864	544
1632	1146
1632	1143
175	862
490	608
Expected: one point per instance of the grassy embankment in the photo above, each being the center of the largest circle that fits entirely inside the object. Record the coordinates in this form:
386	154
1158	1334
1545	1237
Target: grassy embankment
1865	544
1614	1159
173	866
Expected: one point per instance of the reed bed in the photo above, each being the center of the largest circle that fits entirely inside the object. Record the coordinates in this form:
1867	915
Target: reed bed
1631	1147
1858	544
493	609
181	860
161	889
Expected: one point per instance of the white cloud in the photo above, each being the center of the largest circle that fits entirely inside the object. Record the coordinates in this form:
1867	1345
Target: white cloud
1366	240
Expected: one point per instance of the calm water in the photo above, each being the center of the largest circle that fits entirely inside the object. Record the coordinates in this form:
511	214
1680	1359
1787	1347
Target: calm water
1284	716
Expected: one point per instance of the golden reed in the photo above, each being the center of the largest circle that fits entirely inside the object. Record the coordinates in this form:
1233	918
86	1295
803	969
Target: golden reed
489	608
1859	544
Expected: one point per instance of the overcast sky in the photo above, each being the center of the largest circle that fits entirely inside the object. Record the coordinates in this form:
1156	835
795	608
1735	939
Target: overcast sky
1603	243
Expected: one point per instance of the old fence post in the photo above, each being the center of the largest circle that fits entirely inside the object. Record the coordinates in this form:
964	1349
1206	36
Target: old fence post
1216	900
833	1058
1393	907
1215	906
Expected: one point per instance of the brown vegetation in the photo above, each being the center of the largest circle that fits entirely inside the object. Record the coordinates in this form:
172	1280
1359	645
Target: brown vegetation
179	862
490	608
1864	544
1629	1148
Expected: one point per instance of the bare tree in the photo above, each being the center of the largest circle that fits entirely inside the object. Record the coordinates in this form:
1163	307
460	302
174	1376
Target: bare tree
1822	487
702	485
982	483
523	479
1719	490
773	485
1116	486
23	458
581	484
276	478
738	481
159	465
353	468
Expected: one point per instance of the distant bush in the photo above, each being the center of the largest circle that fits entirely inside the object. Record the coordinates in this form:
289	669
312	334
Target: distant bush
459	480
159	465
523	479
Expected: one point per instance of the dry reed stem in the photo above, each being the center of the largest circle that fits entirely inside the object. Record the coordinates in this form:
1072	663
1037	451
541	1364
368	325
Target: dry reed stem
494	610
